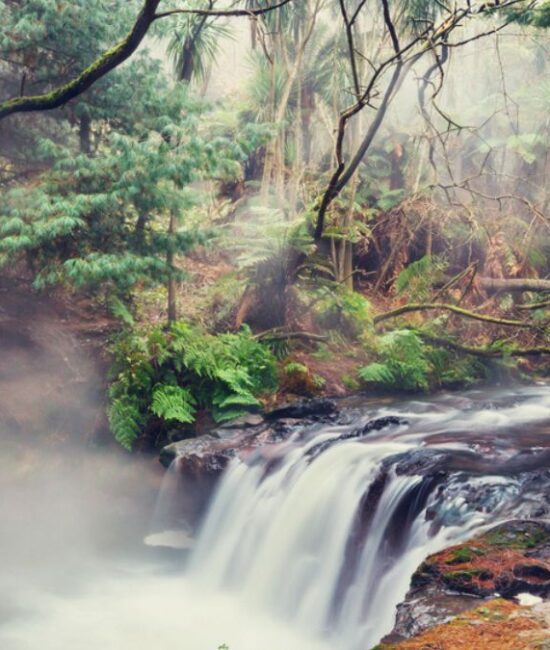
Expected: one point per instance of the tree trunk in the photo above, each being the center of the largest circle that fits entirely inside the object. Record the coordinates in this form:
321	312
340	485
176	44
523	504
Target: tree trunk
172	306
85	135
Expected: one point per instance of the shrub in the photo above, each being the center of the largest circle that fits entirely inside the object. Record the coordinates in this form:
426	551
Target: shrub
347	312
403	363
161	378
298	379
407	363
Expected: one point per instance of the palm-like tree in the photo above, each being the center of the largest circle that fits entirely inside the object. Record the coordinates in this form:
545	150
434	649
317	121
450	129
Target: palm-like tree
195	43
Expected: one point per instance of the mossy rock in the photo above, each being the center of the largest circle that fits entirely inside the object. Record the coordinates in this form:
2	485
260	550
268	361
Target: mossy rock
522	536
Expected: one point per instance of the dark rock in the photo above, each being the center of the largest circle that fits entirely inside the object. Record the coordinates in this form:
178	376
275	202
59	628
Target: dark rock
372	425
422	462
196	447
311	408
537	571
424	575
381	423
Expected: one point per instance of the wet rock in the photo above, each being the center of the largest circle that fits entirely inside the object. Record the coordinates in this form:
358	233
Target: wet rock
311	408
202	449
382	423
244	422
423	462
429	608
376	424
496	624
508	560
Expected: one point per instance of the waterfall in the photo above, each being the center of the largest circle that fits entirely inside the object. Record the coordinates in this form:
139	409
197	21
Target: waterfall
328	542
307	544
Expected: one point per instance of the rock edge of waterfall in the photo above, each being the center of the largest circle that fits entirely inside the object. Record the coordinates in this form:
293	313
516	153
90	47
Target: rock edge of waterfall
490	592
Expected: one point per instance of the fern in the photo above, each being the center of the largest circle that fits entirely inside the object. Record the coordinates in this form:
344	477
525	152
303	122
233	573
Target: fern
377	373
173	374
295	367
173	403
419	277
126	421
403	363
347	312
120	311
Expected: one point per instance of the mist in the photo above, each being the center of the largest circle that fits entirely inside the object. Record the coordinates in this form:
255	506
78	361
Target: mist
300	253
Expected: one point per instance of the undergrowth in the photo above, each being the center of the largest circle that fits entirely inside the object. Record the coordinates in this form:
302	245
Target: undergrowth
406	363
162	378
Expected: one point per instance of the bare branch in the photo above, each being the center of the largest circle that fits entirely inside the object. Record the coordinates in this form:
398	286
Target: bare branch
220	13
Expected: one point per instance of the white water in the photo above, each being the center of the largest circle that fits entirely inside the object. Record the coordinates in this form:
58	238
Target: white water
280	543
266	571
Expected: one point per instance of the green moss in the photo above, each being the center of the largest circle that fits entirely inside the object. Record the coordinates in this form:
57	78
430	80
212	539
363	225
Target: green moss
518	540
464	554
462	576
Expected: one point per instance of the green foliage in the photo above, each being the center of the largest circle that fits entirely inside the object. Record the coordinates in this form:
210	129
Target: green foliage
103	222
406	362
298	379
419	278
169	375
347	312
403	363
295	368
173	403
194	45
47	43
537	16
269	241
448	368
126	420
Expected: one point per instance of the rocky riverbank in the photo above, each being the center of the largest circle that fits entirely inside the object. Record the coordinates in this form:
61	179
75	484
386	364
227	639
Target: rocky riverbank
491	592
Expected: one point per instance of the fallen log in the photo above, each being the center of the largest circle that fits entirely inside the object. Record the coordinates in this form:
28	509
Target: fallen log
513	284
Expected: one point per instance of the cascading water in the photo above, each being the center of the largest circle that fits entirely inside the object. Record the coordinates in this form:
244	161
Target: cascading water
310	544
328	541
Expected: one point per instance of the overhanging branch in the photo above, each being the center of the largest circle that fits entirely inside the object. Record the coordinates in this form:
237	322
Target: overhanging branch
111	59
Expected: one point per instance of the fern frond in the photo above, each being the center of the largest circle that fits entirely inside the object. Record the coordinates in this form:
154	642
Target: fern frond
126	421
377	373
173	403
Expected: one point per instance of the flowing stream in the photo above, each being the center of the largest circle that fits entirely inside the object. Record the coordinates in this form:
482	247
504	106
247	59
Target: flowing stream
309	544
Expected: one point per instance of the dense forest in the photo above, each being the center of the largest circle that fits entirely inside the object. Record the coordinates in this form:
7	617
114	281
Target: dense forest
249	208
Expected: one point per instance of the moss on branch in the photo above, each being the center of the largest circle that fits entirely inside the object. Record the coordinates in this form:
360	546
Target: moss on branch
460	311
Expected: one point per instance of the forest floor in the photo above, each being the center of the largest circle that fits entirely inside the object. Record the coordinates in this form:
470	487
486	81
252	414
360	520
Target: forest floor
54	364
